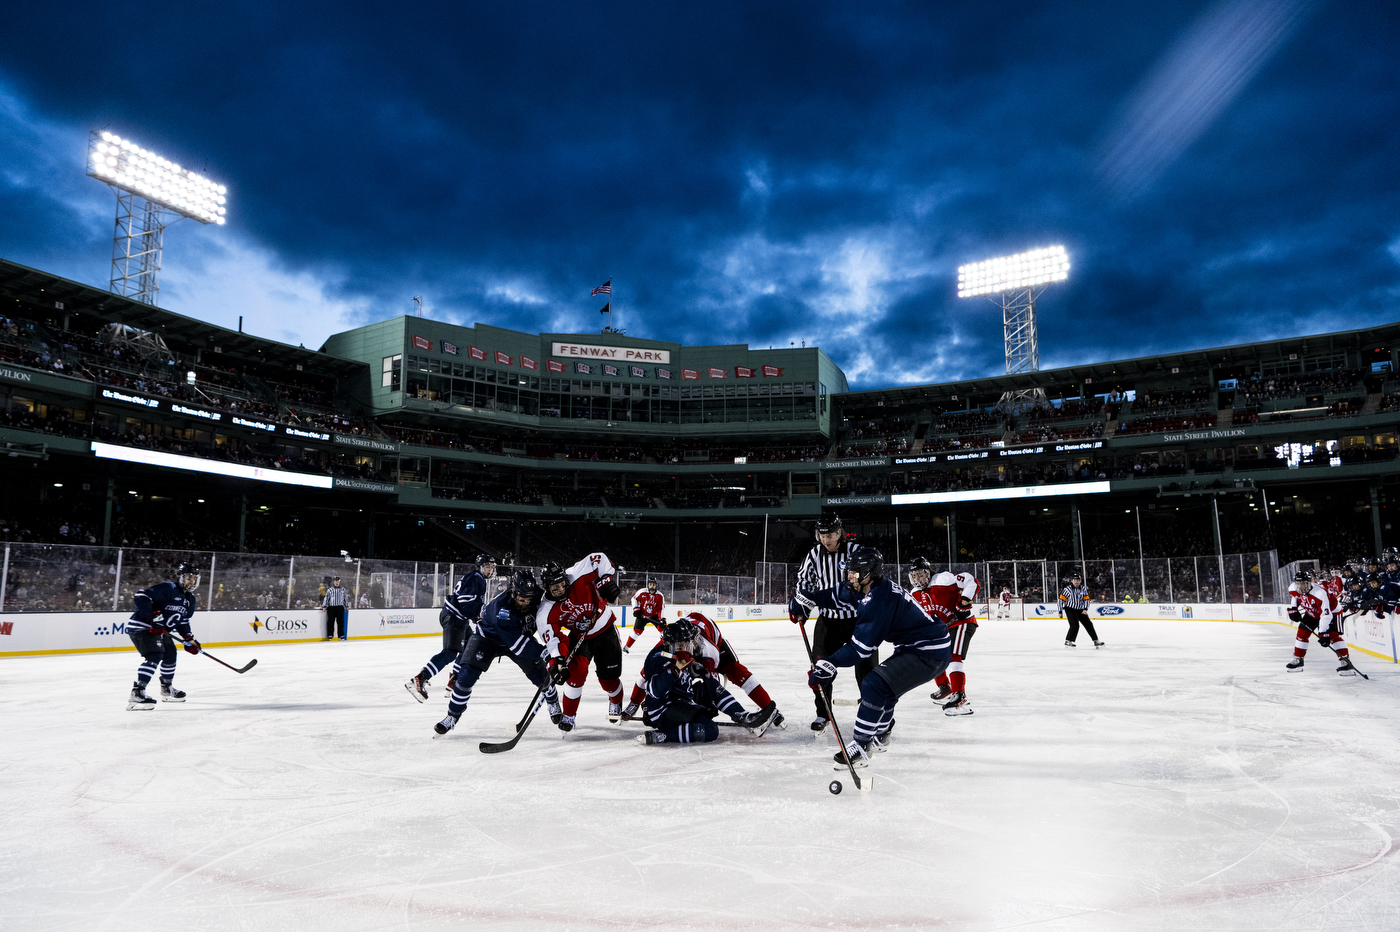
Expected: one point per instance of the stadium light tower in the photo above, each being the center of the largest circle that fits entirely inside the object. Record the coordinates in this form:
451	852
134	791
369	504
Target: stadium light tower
149	190
1015	281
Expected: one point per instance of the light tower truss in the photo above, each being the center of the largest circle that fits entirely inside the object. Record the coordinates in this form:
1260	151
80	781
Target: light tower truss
152	193
1015	282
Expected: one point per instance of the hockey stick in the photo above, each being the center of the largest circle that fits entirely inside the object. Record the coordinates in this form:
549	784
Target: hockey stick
533	709
830	714
243	669
1329	646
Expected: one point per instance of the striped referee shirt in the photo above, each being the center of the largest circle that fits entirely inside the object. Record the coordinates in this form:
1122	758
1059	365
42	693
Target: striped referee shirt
336	597
1077	598
822	569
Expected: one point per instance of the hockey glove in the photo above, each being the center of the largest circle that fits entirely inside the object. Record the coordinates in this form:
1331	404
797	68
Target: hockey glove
1295	616
683	659
558	670
192	646
1309	622
710	665
823	672
627	648
607	588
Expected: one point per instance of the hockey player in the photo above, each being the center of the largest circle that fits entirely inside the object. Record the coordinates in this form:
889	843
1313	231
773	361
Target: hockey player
949	597
1378	597
885	612
716	655
647	606
1074	600
506	629
160	609
1310	608
578	601
824	568
682	698
1003	604
1331	583
459	612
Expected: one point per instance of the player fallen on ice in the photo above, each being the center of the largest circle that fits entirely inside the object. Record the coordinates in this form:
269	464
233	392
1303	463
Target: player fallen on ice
683	697
460	611
575	620
948	597
1310	608
717	656
506	629
884	613
647	606
160	609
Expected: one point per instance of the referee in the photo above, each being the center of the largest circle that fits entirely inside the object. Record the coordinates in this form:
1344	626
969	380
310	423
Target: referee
1074	599
335	601
825	568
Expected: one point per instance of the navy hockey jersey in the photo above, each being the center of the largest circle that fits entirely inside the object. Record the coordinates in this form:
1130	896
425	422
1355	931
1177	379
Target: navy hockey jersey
886	614
161	608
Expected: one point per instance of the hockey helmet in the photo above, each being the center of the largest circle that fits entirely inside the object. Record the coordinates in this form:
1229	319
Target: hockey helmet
1076	575
551	575
1302	576
918	565
186	568
651	583
828	525
681	634
866	563
523	584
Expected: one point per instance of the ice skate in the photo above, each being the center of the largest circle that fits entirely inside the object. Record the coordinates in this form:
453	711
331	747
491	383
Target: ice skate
168	693
778	720
1295	664
1346	669
857	753
957	704
819	724
417	687
446	725
614	712
139	700
652	737
565	723
1069	643
944	692
629	714
556	711
1098	644
759	722
886	737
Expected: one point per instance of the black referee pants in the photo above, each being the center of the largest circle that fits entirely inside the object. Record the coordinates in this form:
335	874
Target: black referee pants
828	636
1077	617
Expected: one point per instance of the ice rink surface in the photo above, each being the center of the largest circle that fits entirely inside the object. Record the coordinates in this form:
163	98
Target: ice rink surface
1177	779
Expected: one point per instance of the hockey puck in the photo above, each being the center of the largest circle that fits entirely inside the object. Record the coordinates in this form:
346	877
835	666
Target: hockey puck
835	787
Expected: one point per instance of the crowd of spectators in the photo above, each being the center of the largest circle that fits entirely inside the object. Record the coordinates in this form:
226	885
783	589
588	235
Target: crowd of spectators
1256	391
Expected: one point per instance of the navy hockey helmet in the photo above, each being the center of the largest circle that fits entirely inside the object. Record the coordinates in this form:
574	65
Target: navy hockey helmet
1302	576
866	562
553	574
681	634
186	568
828	525
1076	575
523	584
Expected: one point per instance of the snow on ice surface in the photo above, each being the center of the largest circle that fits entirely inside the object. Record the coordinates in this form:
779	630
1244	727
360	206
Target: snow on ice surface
1177	779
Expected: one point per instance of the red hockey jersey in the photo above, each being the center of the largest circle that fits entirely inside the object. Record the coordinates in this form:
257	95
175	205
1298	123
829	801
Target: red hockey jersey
581	607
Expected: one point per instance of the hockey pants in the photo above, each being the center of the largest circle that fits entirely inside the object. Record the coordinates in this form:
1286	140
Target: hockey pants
829	635
605	650
906	670
686	723
1334	638
1077	617
476	657
454	641
335	618
156	650
953	677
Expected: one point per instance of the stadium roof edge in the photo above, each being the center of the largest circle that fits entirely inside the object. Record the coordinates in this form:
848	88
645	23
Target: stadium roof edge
1128	369
19	281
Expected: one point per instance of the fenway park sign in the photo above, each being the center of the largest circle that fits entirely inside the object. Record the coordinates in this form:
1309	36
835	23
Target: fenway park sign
613	353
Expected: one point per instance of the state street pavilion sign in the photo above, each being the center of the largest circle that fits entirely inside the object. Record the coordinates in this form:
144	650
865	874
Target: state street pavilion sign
613	353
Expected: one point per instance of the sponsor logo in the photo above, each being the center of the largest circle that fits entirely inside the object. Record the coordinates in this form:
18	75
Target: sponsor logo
260	425
753	610
1167	610
1205	434
117	627
1042	610
857	463
1109	610
7	627
1373	626
280	625
255	624
1186	611
130	399
351	440
385	620
308	434
196	412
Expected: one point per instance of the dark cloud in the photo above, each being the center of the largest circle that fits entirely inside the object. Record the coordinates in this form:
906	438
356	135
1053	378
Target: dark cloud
759	173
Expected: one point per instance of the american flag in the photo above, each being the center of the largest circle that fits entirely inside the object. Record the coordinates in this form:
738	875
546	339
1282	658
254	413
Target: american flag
604	288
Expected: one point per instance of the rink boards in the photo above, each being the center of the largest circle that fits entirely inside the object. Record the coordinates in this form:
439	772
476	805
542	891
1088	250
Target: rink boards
24	634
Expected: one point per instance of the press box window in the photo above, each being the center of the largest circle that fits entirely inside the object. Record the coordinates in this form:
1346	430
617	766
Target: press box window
393	367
